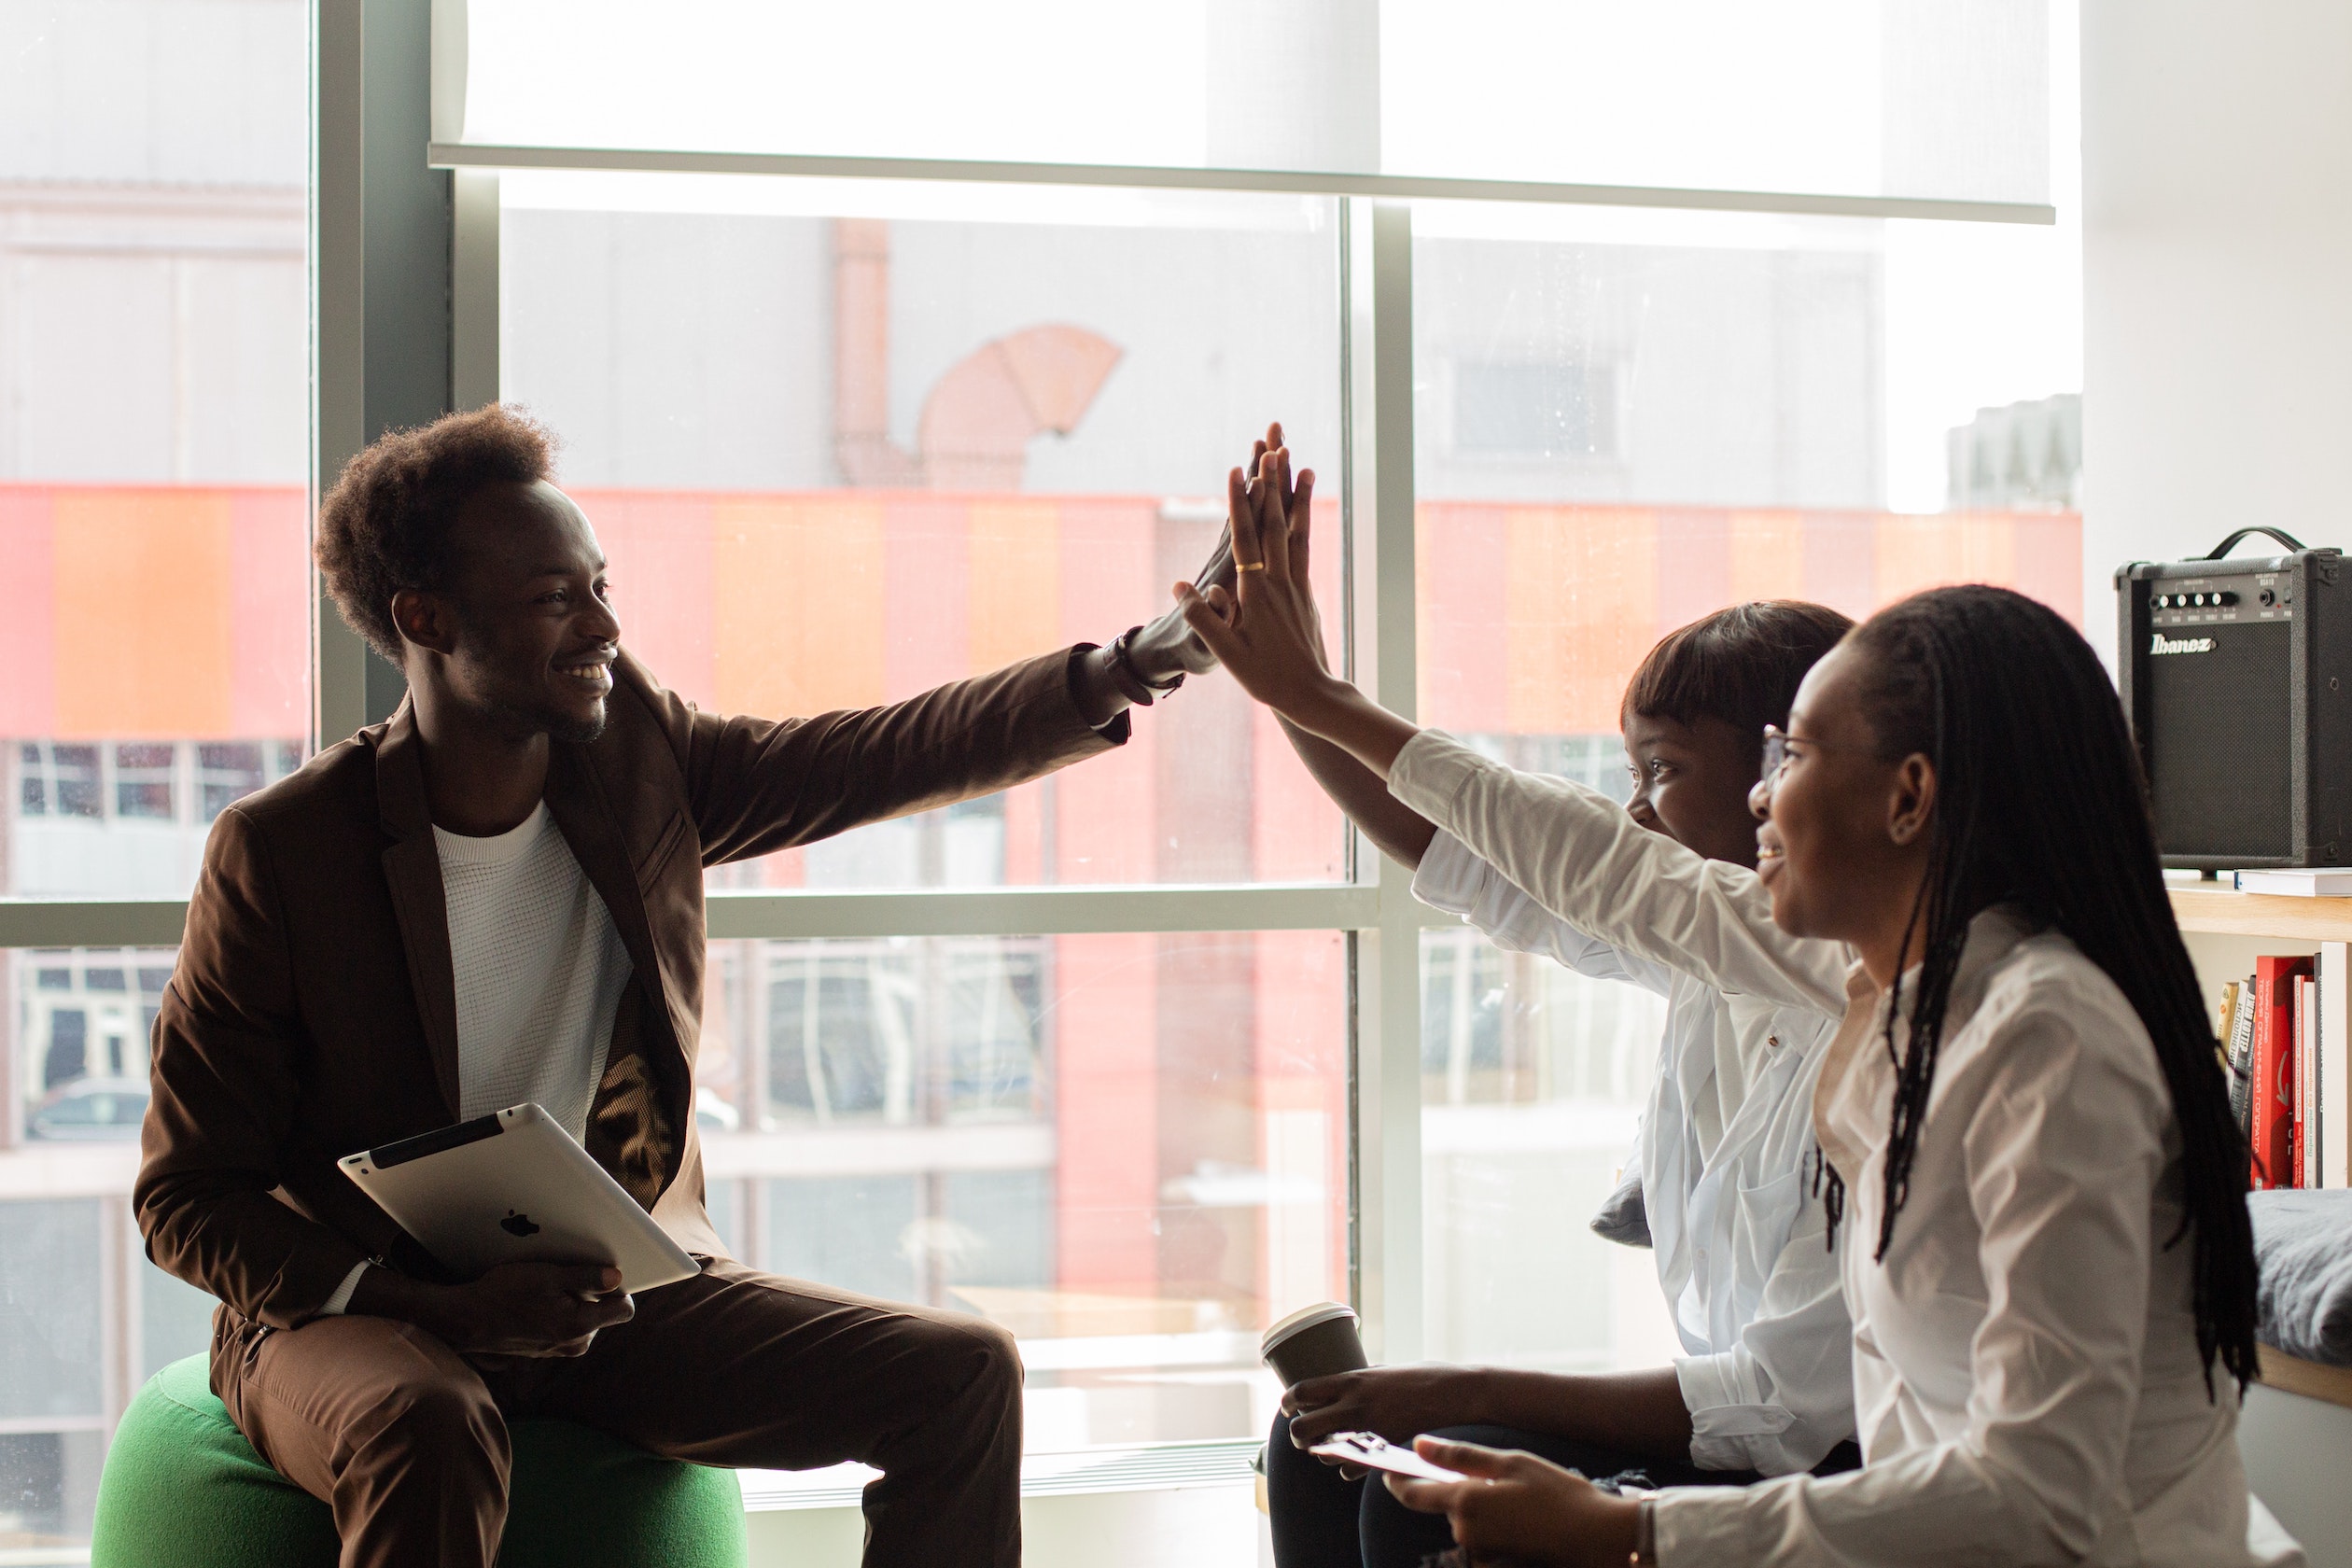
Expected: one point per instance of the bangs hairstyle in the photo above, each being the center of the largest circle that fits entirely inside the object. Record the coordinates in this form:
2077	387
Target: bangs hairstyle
1742	665
386	525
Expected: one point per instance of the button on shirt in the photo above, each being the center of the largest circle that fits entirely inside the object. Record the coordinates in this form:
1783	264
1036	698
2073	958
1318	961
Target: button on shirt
1739	1240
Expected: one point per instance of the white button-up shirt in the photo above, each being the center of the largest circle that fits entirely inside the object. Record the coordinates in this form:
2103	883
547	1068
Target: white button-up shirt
2025	1363
1739	1240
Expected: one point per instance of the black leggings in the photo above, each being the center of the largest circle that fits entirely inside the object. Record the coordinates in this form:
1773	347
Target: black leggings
1324	1520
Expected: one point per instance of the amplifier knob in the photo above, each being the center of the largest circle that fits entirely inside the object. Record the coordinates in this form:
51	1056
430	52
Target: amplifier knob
2164	601
2225	598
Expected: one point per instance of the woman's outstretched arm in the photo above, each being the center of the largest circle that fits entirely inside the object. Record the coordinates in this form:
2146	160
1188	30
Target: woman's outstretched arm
1643	893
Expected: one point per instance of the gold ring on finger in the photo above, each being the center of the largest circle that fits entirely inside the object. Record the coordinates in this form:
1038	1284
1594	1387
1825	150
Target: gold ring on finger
1248	566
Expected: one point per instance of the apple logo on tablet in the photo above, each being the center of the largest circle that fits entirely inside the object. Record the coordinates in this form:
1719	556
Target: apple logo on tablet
518	1224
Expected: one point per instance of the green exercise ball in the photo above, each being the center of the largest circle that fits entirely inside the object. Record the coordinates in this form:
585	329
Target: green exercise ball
183	1489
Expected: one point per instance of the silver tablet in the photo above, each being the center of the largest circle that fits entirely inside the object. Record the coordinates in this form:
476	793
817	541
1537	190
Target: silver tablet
515	1187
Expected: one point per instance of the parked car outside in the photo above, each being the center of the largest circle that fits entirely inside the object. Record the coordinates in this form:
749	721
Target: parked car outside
90	1109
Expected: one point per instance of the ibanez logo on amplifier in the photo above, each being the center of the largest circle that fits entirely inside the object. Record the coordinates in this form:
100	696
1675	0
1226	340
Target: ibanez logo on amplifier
2160	643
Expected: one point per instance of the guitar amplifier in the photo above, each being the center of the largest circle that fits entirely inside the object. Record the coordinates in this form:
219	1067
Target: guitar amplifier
2237	679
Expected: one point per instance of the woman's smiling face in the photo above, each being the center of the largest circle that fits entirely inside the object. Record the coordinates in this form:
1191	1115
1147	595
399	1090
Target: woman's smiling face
1690	782
1841	840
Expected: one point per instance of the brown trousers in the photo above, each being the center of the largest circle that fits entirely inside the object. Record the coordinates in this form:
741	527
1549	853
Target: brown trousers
407	1440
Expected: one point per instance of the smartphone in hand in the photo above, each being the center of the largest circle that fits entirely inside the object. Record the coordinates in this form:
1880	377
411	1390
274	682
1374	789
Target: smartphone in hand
1369	1450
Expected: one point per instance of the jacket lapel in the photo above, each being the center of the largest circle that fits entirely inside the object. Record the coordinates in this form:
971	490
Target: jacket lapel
642	1116
576	799
411	868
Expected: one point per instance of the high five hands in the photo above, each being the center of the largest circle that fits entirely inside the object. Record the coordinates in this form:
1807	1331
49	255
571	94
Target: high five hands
1266	630
1167	646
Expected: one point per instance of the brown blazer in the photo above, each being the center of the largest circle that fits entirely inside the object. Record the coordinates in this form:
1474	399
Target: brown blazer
314	1012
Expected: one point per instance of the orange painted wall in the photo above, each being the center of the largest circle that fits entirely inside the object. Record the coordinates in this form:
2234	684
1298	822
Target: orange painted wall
135	612
1586	589
183	612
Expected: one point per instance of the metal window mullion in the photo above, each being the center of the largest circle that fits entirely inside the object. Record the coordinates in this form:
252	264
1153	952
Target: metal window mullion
995	912
92	922
380	292
1386	187
1040	911
121	1318
338	336
1387	1047
474	288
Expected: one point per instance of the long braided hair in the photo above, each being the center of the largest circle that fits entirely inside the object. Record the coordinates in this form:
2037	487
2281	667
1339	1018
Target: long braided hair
2040	801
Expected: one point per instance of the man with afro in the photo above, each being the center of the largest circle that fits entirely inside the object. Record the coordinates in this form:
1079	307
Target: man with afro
494	897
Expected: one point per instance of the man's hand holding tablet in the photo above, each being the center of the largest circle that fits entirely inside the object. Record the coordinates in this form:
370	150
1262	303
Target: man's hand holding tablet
517	1310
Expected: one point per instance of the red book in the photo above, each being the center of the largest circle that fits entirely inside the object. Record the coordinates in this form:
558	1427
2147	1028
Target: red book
2274	1119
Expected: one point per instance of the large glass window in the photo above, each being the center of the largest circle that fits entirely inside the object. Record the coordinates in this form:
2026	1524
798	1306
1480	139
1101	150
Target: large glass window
845	438
839	459
1532	1083
84	1317
154	622
1129	1149
153	429
1625	421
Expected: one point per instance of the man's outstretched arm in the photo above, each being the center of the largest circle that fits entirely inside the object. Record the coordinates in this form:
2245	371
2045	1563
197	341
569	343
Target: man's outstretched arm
760	785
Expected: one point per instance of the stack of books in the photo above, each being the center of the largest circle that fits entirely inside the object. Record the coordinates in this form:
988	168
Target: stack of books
2284	1044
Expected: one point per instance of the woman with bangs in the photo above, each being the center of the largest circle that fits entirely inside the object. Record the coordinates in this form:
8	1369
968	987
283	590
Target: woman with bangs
1762	1385
2022	1124
1714	1185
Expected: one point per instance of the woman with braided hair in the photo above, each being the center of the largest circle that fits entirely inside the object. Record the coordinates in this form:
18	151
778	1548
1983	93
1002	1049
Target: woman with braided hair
2051	1274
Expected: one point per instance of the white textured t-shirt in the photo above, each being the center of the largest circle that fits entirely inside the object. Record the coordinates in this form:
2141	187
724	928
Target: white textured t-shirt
540	970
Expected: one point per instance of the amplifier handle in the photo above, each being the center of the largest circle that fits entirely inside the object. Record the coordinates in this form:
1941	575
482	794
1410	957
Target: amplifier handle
2290	541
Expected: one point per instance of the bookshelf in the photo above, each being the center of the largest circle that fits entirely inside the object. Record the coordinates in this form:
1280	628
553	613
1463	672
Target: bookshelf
2309	1378
2218	917
2220	912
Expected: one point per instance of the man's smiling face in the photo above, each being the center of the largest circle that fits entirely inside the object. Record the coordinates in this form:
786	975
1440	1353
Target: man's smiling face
535	631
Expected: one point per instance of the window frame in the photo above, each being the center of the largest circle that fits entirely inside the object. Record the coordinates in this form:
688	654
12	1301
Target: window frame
372	80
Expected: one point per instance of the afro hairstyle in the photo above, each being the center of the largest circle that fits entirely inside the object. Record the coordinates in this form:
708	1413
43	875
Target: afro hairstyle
386	524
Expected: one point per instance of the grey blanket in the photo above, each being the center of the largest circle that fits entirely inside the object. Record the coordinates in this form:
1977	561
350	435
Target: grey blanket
2302	1248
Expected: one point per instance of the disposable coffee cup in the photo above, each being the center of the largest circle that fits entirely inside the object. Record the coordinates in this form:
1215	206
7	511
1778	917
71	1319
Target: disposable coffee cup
1314	1342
